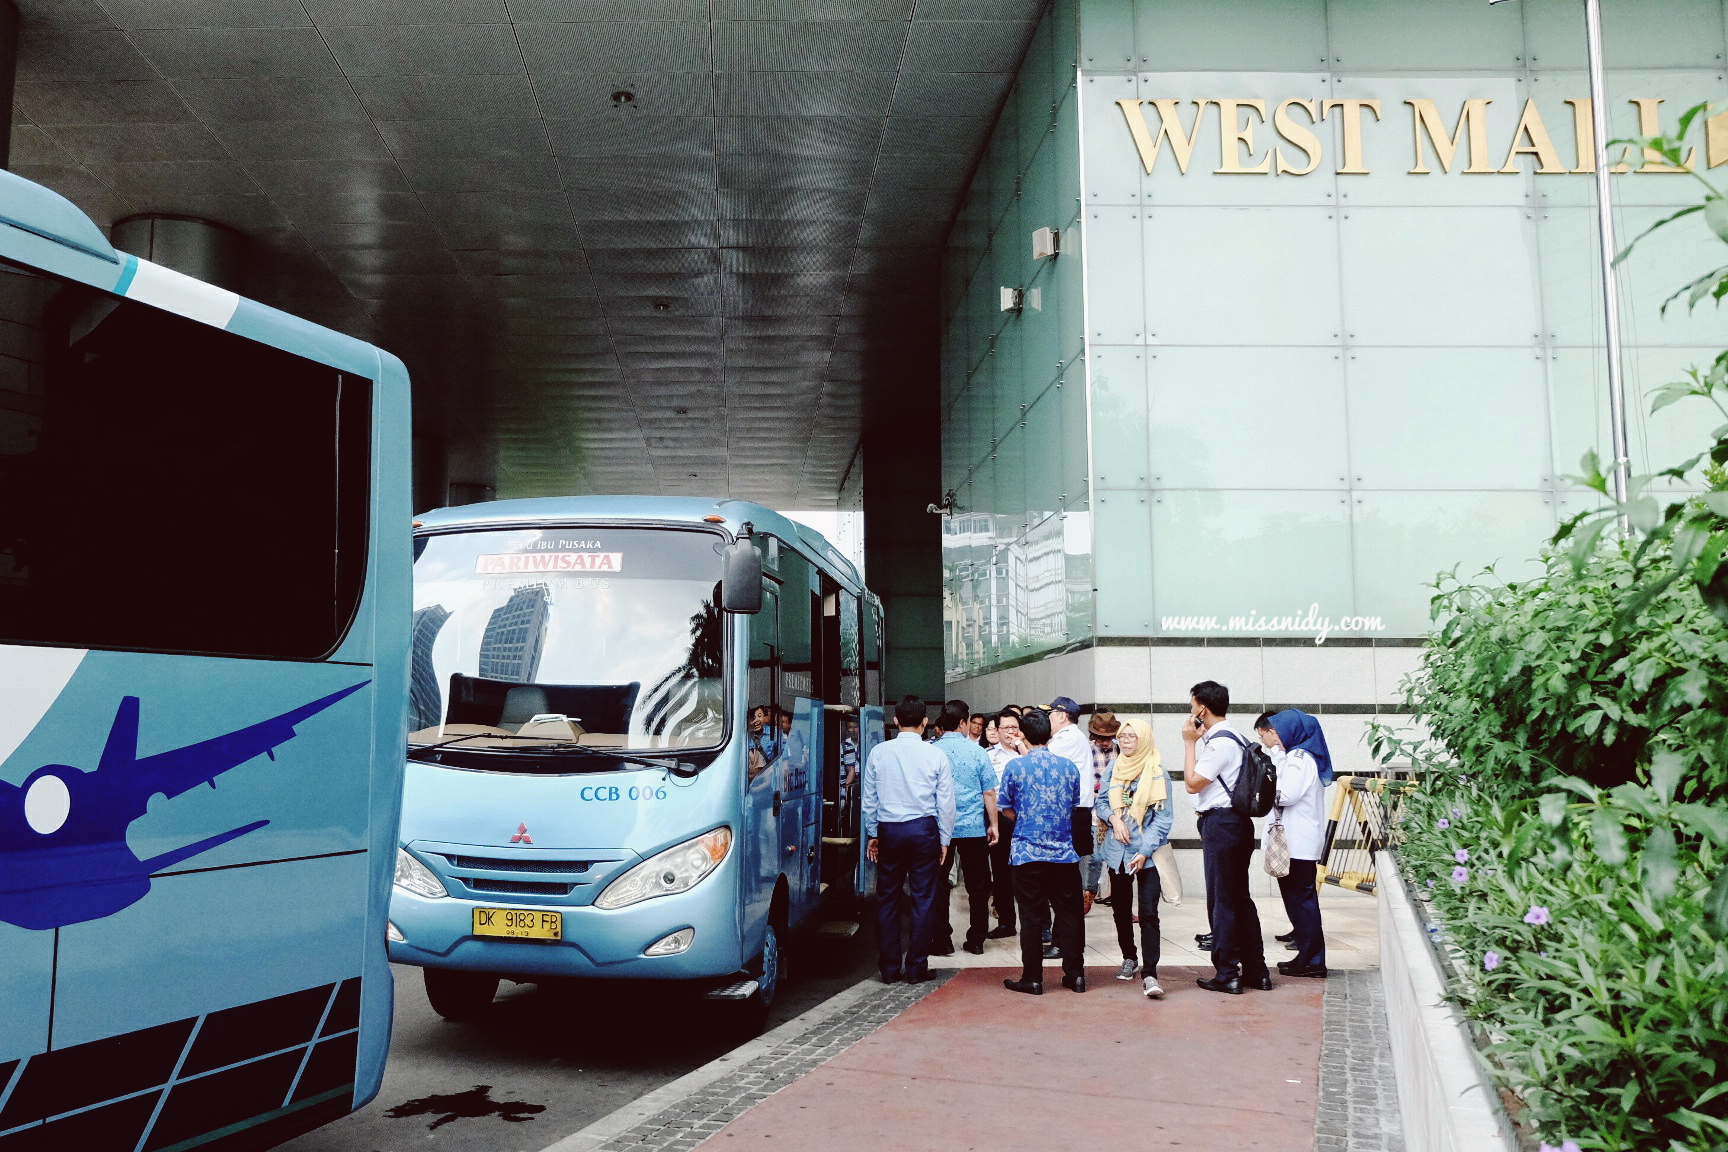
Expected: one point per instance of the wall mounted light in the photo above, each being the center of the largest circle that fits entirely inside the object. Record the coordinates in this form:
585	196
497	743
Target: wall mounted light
1011	299
1046	243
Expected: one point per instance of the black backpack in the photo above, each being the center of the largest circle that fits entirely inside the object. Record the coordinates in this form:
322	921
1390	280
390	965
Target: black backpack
1256	781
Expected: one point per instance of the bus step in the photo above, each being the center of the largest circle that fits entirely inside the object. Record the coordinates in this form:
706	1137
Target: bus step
840	929
742	990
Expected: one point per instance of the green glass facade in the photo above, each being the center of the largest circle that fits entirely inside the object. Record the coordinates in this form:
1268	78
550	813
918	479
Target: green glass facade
1310	387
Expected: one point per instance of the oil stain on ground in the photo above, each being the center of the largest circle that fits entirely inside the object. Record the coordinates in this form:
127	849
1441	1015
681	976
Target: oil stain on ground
470	1105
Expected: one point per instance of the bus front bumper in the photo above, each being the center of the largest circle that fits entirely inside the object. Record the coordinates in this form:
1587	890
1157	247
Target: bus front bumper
597	943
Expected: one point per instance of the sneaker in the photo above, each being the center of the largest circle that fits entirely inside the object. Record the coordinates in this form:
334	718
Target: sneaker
1152	989
1129	970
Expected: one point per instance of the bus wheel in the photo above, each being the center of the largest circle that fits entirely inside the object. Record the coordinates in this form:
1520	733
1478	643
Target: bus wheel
770	970
457	995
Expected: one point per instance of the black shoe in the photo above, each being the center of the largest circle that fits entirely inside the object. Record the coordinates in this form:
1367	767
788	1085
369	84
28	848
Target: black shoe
1291	968
921	976
946	948
1230	987
1002	932
1204	940
1030	987
1105	900
890	977
1074	983
1261	983
1285	938
1051	952
975	949
1291	946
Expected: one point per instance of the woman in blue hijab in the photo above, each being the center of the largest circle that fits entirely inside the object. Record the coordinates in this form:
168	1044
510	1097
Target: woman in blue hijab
1298	730
1297	746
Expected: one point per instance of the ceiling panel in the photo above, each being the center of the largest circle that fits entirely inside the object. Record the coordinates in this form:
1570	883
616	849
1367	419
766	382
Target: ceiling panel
623	245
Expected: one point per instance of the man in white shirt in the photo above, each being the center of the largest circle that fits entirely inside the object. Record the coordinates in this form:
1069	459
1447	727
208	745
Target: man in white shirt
1291	738
1212	758
908	812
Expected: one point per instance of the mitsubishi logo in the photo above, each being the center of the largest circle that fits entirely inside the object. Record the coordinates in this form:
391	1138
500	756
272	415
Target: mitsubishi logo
521	836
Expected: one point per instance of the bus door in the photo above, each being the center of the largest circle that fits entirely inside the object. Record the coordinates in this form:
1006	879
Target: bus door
764	763
800	719
871	722
841	748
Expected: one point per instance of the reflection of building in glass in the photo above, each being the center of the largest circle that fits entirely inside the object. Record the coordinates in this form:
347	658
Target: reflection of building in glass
515	635
425	703
1008	590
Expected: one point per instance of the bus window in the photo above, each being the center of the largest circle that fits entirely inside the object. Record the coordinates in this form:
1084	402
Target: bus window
765	738
851	664
545	640
139	509
872	652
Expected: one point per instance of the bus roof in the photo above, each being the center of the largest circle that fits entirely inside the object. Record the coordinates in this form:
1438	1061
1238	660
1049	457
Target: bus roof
674	509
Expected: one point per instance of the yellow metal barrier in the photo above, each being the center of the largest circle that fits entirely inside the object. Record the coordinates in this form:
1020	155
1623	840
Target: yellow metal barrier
1364	808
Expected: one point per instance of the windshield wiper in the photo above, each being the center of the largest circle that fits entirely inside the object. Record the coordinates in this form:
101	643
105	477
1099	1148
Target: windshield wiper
413	753
677	767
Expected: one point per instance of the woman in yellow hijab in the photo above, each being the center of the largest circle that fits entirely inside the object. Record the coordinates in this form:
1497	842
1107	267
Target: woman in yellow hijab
1138	809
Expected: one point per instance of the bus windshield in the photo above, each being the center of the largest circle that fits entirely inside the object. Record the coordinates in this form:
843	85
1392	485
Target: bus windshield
555	640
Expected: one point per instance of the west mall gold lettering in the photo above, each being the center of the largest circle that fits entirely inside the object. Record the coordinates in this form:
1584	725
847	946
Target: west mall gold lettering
1472	126
1234	135
1429	132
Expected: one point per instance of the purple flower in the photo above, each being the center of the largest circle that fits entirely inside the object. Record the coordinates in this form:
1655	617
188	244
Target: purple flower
1460	874
1443	824
1458	812
1565	1146
1430	883
1462	855
1544	955
1537	915
1490	961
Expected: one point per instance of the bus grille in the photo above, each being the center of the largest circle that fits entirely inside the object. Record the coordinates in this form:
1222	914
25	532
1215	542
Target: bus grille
519	887
491	864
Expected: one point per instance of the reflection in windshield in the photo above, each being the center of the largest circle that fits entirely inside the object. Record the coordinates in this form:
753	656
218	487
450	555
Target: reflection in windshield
551	639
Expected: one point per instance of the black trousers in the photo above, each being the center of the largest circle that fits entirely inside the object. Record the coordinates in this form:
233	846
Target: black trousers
974	853
909	854
1055	887
1001	875
1226	843
1145	882
1302	903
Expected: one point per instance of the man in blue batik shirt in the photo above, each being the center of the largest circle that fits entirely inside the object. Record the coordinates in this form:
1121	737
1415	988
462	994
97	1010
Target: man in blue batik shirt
1041	790
974	826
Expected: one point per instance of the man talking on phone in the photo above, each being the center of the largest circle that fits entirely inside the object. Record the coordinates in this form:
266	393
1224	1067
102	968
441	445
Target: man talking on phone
1212	758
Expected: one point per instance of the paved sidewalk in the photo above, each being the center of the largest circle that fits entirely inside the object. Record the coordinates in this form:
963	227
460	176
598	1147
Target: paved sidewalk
973	1065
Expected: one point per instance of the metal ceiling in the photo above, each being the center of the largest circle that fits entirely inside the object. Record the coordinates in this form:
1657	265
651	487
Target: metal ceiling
672	291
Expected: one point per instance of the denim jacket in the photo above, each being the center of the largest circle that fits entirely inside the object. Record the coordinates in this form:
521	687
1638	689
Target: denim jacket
1143	840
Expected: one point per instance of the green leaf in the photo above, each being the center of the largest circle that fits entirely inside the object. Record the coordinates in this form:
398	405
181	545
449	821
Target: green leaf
1553	808
1609	835
1660	863
1633	243
1666	768
1707	821
1716	906
1716	216
1717	502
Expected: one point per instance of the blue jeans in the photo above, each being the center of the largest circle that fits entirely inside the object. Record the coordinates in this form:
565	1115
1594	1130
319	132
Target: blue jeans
909	854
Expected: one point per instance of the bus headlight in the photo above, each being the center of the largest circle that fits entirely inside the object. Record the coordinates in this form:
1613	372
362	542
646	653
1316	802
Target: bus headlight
416	877
678	869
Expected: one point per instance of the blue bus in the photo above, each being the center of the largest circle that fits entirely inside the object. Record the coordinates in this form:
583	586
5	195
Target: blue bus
200	721
636	730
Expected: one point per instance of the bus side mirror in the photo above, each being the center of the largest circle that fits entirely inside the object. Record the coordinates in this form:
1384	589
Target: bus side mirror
741	578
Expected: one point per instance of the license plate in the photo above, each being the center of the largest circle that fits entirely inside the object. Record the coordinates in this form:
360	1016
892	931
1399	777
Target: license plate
519	923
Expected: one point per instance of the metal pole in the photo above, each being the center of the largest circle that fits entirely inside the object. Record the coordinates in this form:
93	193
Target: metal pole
1621	474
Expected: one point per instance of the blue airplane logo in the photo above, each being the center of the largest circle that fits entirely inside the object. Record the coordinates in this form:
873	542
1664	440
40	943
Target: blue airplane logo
63	852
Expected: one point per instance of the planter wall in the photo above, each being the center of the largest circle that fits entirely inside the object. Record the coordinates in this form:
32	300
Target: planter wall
1444	1096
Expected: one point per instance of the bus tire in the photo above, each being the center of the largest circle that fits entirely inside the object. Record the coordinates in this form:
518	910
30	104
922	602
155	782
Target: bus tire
769	969
458	995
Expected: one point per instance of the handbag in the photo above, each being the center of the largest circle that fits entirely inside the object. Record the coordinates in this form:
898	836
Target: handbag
1277	851
1169	876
